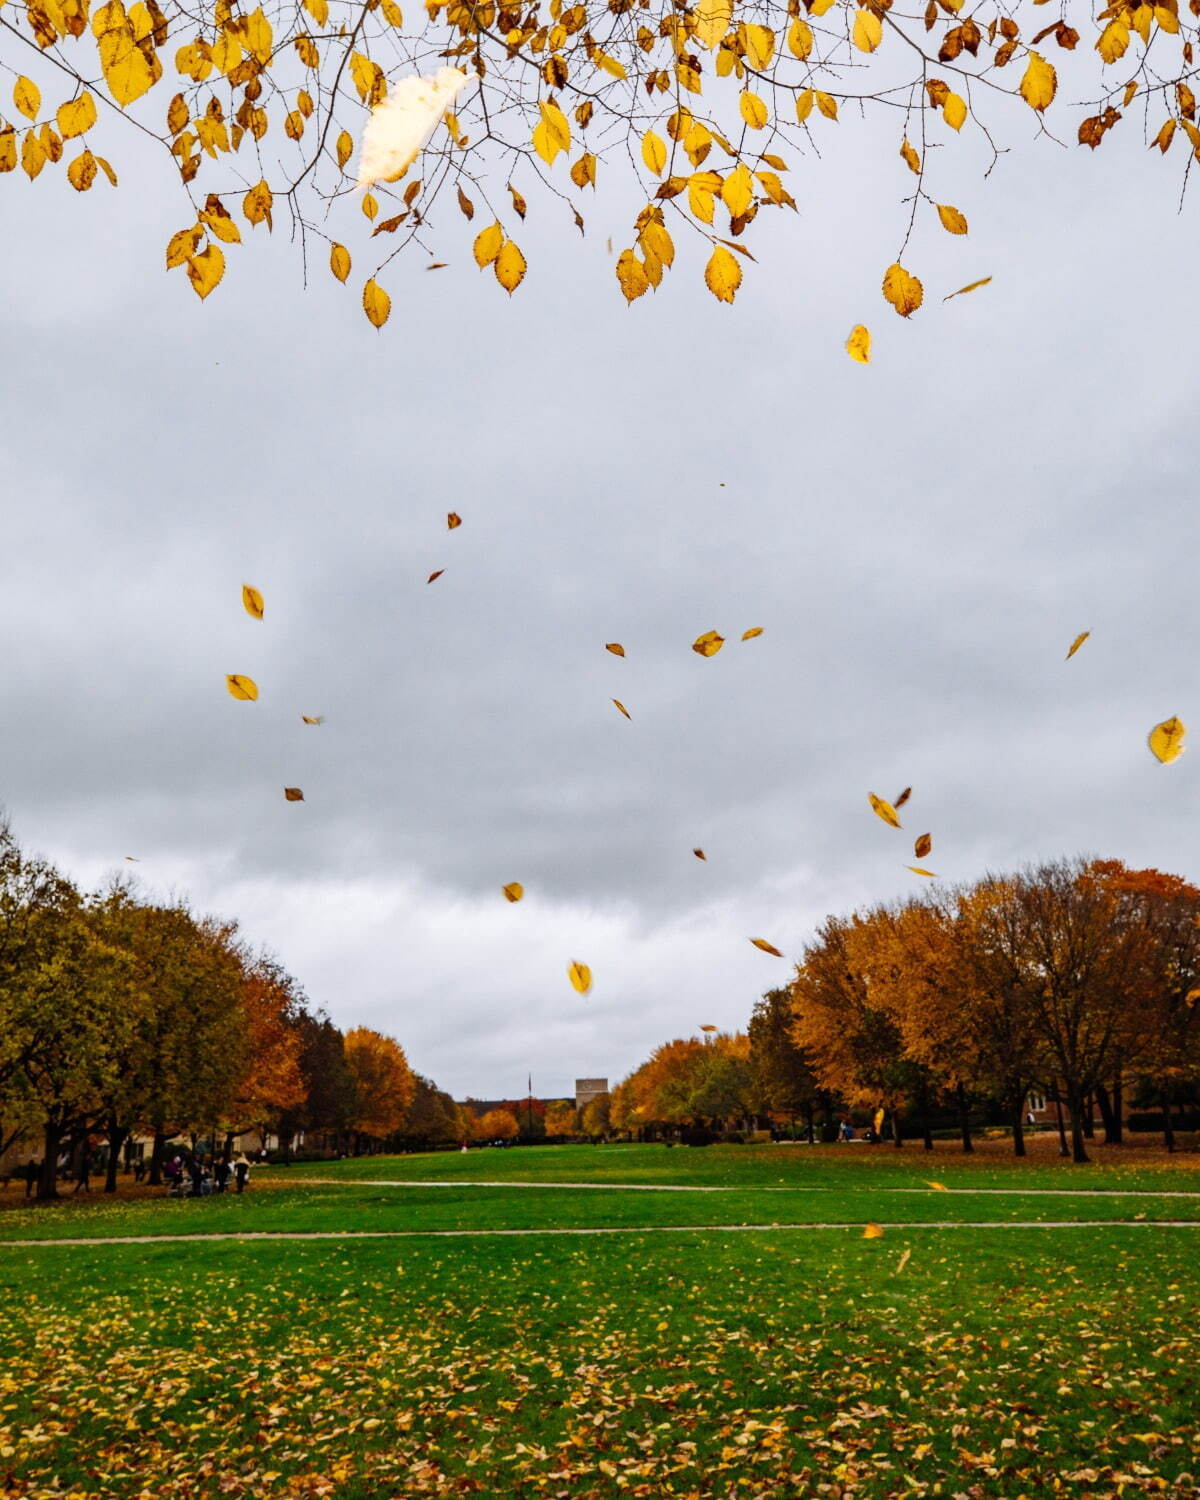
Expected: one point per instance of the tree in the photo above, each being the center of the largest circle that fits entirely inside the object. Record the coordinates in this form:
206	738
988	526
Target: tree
383	1082
701	108
561	1120
272	1081
432	1116
328	1101
497	1125
594	1117
783	1073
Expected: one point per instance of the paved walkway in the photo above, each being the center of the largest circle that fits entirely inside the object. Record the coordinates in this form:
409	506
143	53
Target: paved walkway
664	1187
438	1234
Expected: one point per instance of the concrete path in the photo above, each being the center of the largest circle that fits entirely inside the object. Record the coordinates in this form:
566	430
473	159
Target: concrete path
438	1234
663	1187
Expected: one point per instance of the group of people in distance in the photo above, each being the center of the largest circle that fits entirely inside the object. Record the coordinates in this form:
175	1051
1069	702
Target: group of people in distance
198	1176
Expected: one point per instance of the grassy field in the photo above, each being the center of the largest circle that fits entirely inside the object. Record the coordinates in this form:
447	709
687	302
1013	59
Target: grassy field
962	1361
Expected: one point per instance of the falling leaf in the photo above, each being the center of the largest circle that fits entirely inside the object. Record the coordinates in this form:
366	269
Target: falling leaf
923	845
873	1232
241	687
971	286
903	1261
748	635
616	648
700	854
903	797
453	520
252	601
580	976
765	947
133	858
514	890
917	870
622	708
709	1028
1166	740
293	794
437	573
902	290
401	125
708	644
1077	642
318	719
858	345
938	1187
883	810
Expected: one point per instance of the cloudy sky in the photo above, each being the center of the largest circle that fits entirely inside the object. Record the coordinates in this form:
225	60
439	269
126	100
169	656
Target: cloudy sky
920	541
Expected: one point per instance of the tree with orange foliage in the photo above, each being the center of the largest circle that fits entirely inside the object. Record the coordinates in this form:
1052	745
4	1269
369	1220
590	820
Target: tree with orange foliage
384	1086
497	1125
272	1081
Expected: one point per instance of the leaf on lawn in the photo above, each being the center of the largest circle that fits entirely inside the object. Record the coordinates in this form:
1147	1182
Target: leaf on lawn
938	1187
872	1231
903	1261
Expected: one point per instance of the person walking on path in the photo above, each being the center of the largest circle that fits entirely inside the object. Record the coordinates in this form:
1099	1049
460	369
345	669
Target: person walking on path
83	1176
33	1171
241	1171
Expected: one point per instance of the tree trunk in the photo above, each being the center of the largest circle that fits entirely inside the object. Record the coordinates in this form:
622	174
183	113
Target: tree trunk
1075	1109
1089	1122
1062	1133
116	1136
1118	1104
964	1119
157	1152
1018	1124
1106	1115
1168	1127
51	1140
897	1141
812	1138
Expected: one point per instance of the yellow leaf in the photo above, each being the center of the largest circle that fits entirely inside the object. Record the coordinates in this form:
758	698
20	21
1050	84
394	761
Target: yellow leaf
552	134
1040	82
765	947
883	810
700	198
488	243
954	111
216	218
1077	642
33	155
800	38
827	104
737	191
1166	740
81	173
952	221
182	244
1113	40
344	148
376	303
252	601
608	65
580	976
700	854
938	1187
631	275
257	35
903	291
654	152
241	687
106	168
723	275
370	205
8	149
760	46
804	104
256	205
748	635
873	1232
622	708
753	110
339	261
910	157
1165	133
616	648
318	10
514	890
127	69
312	719
917	870
712	18
970	287
868	31
923	845
903	1261
708	644
858	345
293	794
27	97
453	520
206	269
77	116
510	267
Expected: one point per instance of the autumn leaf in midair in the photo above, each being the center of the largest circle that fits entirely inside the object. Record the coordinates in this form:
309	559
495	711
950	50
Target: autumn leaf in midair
763	946
616	648
513	891
241	687
749	635
902	290
312	718
622	708
707	1027
133	859
917	870
1166	740
858	345
708	644
700	854
1077	642
971	286
938	1187
883	810
437	573
453	520
293	794
401	125
252	601
873	1232
580	976
902	798
923	845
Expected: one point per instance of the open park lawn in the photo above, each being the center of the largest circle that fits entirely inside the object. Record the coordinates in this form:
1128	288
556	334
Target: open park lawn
1015	1330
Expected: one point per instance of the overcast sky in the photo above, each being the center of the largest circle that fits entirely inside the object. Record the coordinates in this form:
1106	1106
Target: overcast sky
920	541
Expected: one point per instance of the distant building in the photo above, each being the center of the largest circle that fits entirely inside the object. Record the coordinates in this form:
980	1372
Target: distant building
586	1089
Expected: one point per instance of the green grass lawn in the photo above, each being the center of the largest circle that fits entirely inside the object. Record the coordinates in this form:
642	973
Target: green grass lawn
970	1362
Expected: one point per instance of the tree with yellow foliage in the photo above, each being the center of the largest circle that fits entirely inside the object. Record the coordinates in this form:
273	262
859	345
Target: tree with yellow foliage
472	115
383	1082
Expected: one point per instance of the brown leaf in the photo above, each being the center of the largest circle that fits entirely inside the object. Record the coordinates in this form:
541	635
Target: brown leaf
293	794
765	947
437	573
616	648
923	845
903	797
699	853
708	644
622	708
453	520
